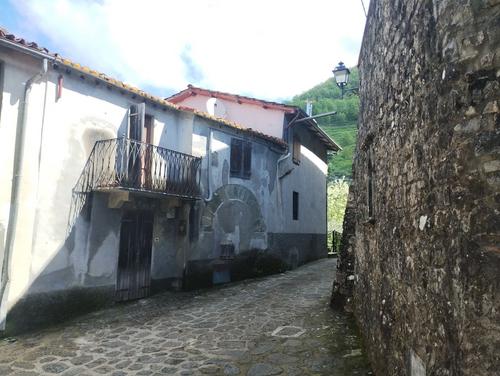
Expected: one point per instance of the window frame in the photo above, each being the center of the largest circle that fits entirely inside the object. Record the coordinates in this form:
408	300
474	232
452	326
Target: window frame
295	205
243	148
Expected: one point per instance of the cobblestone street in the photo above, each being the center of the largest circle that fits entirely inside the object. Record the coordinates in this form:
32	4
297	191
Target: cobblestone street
277	325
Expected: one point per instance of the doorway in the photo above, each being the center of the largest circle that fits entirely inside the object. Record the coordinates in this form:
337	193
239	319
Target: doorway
134	259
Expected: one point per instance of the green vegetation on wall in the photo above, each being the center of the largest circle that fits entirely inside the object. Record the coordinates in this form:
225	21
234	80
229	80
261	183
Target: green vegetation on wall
342	127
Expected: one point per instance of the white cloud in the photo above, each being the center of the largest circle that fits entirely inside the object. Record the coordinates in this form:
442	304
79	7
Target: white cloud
268	49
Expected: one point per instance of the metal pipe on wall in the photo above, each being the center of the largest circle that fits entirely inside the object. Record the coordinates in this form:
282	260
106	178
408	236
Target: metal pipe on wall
16	179
209	163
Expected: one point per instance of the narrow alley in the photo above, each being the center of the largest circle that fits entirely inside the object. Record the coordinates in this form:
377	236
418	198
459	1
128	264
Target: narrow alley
280	324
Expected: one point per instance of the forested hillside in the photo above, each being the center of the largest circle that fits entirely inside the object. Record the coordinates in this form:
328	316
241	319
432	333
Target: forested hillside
341	127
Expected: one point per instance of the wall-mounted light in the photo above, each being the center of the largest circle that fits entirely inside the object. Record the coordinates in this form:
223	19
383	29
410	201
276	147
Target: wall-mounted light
341	74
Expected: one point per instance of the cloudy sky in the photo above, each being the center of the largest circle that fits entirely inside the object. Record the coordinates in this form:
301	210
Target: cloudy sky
270	49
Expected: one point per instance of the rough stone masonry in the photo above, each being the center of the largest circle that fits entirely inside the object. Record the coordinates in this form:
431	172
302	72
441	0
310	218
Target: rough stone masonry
423	253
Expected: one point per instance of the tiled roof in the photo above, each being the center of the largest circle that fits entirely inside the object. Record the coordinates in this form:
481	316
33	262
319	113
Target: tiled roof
192	90
4	34
12	39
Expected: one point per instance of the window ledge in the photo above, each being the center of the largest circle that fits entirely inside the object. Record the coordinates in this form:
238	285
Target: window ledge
240	177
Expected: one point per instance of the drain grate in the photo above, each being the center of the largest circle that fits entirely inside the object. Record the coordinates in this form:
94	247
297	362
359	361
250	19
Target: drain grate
288	331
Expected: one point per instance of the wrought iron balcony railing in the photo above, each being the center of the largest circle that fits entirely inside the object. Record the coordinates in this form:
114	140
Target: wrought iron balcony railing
135	166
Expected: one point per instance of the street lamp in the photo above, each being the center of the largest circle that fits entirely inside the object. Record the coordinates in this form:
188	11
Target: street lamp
341	74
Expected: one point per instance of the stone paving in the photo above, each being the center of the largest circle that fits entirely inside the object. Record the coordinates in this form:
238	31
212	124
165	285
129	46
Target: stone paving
277	325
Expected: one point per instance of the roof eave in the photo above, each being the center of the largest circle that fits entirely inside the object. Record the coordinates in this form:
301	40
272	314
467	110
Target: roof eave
192	90
29	50
323	136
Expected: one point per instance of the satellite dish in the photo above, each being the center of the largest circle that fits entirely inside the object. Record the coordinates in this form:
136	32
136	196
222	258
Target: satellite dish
215	107
211	106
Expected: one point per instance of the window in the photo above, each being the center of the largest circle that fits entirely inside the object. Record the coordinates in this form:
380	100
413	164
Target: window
295	206
136	116
241	158
370	185
296	149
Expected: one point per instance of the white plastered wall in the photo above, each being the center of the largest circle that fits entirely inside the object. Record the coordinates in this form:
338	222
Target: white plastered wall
53	159
265	120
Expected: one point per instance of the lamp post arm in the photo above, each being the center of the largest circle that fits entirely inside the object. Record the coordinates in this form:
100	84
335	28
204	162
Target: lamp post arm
354	90
317	116
343	90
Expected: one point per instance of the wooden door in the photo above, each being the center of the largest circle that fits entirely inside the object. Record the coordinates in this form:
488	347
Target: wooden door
134	260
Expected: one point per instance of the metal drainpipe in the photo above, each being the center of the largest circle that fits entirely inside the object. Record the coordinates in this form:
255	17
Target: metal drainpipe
42	127
281	159
209	164
16	178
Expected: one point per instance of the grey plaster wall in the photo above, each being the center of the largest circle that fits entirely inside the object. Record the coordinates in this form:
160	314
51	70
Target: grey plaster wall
89	256
81	275
308	179
171	244
256	213
234	209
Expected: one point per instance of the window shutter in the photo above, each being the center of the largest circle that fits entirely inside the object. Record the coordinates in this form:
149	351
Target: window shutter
295	206
136	116
236	156
247	159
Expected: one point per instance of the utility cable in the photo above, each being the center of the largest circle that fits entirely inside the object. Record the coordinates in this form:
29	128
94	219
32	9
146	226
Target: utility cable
364	9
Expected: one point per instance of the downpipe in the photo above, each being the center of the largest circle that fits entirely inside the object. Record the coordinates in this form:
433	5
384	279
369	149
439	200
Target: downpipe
209	164
16	179
206	199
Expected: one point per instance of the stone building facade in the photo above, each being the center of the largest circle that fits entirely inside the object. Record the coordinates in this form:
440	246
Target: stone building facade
425	229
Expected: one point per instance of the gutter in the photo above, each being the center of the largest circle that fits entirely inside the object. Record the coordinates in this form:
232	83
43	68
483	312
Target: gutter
16	180
26	50
209	163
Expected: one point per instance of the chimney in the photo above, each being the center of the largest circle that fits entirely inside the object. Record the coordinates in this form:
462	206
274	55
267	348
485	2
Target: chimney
309	108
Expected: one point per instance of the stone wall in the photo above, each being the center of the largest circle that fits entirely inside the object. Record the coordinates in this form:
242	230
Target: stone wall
427	255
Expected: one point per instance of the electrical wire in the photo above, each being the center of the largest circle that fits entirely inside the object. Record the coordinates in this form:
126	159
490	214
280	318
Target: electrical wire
364	9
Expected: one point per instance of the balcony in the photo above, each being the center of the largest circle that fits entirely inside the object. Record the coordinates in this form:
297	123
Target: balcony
125	164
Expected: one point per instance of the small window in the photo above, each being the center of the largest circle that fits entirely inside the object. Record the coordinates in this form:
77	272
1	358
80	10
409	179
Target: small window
370	185
295	206
241	158
296	150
